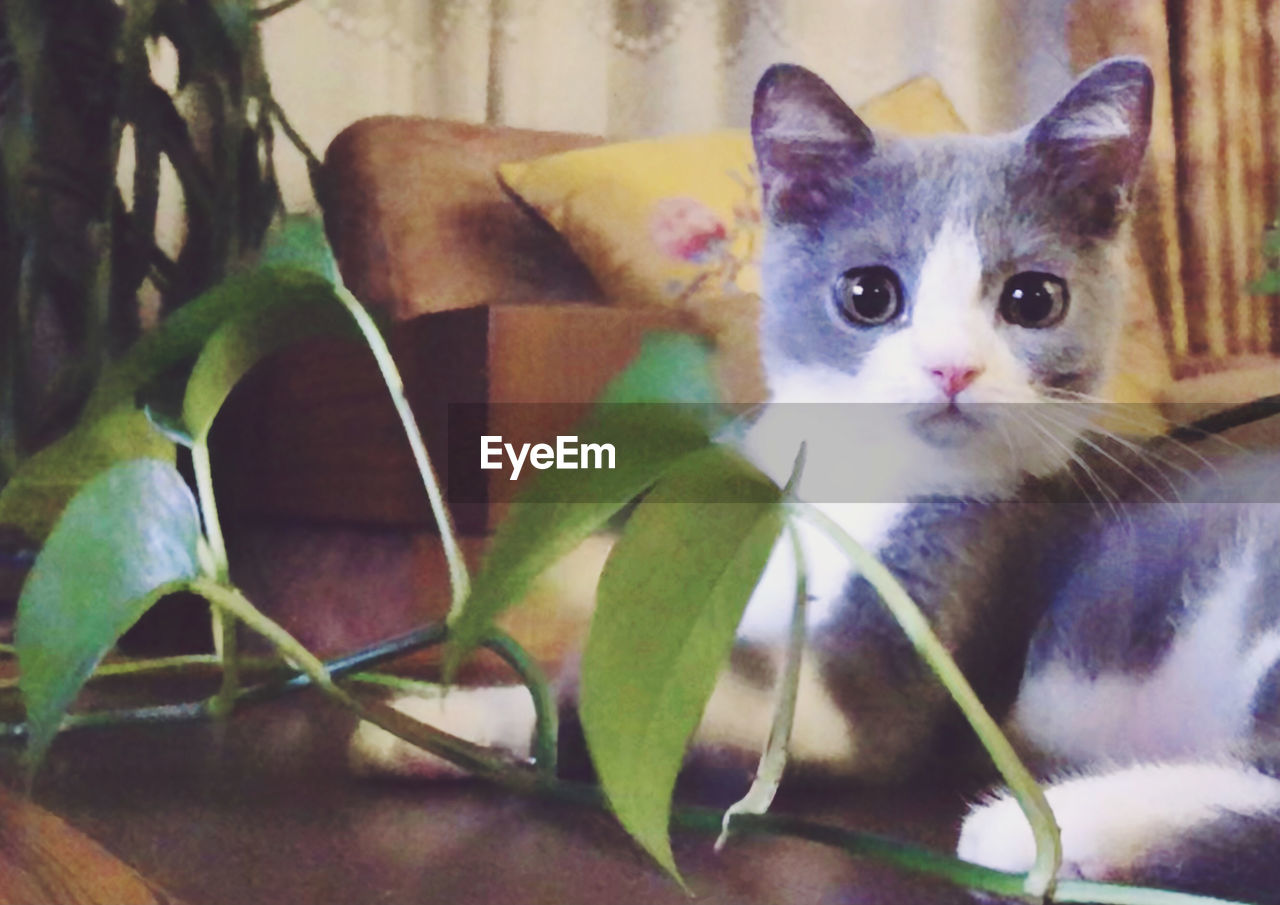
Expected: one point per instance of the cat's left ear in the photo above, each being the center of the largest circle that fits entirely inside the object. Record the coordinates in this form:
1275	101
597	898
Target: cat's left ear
1095	137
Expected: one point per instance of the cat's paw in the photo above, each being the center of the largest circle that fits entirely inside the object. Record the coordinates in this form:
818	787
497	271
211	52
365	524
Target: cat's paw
500	717
1117	825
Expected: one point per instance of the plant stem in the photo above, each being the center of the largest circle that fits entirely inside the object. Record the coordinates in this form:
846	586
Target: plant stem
546	717
1042	877
401	684
773	760
471	757
163	714
266	12
531	675
295	137
475	759
1223	421
944	867
141	667
323	676
418	639
224	628
459	580
237	605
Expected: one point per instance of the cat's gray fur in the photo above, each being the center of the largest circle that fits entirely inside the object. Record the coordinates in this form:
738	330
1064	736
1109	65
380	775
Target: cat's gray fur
1093	606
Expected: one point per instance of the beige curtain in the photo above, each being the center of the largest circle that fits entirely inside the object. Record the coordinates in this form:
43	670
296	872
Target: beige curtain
628	68
1212	185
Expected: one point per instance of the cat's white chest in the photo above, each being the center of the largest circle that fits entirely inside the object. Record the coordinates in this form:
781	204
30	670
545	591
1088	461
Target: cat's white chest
768	613
772	445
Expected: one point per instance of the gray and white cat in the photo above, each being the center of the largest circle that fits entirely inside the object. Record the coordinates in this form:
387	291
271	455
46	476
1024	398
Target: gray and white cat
932	309
972	288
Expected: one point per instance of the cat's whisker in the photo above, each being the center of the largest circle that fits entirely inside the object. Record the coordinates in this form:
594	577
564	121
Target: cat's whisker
1143	456
1149	451
1007	436
1097	447
1114	412
1065	393
1084	491
1038	418
1142	451
1074	459
1153	461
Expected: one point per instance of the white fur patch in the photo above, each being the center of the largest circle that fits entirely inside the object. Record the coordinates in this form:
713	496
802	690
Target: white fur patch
836	473
739	714
767	618
804	124
1110	820
1197	700
946	313
498	717
1099	122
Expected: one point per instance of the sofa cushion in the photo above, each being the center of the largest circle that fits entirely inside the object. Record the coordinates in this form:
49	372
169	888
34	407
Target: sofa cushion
418	222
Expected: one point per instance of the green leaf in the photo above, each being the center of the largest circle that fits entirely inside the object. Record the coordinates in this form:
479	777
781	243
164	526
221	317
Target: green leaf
671	367
1267	284
559	510
240	344
562	508
42	485
668	607
1271	243
111	429
299	241
185	332
124	540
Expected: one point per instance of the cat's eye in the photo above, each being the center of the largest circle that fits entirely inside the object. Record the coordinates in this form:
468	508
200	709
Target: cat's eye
1034	299
869	296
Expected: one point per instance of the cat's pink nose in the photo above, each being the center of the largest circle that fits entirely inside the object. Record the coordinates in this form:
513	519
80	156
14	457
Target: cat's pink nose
952	379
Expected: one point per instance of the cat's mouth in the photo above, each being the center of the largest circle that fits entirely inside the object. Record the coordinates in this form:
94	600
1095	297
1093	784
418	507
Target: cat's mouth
947	424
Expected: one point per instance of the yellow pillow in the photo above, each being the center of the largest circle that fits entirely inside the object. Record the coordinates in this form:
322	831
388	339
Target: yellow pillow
676	221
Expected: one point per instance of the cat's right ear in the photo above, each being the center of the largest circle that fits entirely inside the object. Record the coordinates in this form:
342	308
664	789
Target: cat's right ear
805	139
1092	142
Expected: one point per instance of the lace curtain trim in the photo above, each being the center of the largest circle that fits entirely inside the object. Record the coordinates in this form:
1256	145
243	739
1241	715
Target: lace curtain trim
638	28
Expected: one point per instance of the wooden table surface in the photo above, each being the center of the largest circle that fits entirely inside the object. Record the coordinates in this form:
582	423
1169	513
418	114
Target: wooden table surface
264	810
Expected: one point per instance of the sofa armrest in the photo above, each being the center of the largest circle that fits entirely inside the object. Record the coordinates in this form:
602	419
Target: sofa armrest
418	221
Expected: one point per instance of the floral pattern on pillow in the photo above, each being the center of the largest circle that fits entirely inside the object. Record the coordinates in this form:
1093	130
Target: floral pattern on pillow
685	228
